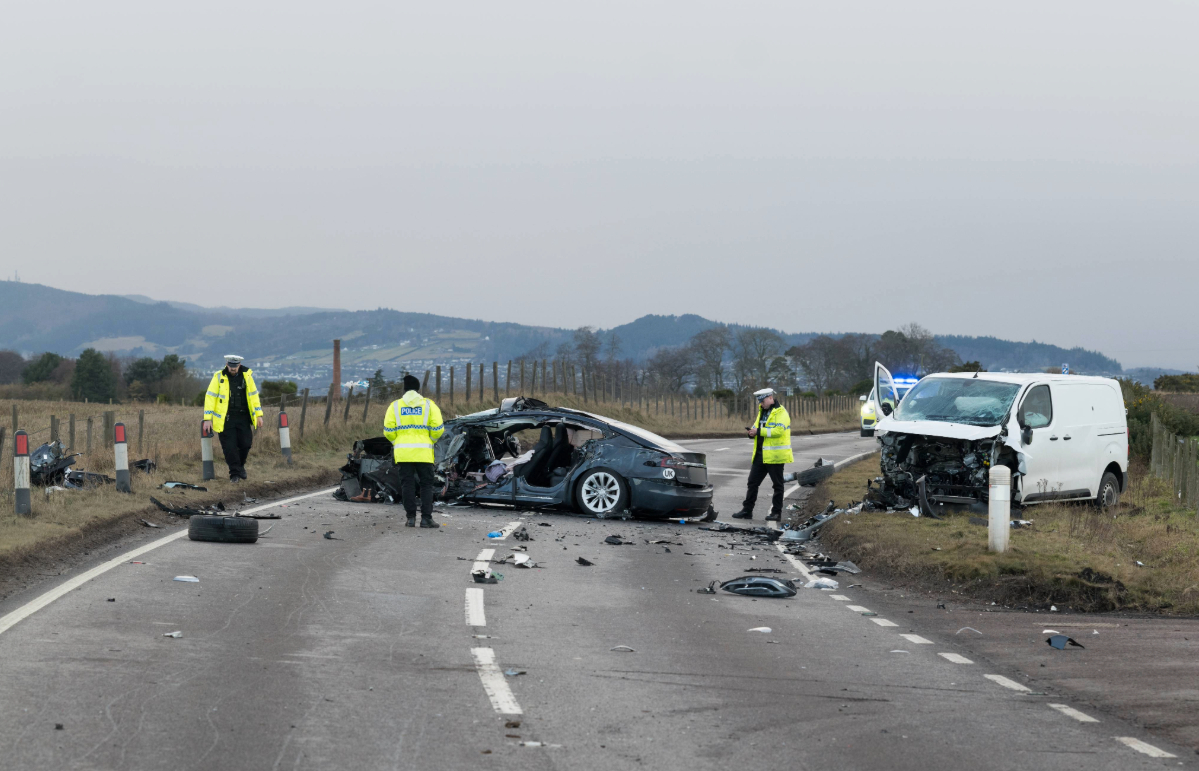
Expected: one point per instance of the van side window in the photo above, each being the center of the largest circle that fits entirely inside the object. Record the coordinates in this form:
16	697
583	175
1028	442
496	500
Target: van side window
1037	408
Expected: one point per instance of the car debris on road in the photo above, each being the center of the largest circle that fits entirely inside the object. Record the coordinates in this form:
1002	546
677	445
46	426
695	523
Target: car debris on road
760	586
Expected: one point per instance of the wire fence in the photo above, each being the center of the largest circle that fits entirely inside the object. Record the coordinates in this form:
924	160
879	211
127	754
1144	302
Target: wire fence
1175	459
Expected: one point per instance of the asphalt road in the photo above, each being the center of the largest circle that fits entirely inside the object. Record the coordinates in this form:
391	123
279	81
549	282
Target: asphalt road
373	649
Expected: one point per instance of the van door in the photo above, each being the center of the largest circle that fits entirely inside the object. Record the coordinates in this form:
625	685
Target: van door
1076	434
1043	455
884	392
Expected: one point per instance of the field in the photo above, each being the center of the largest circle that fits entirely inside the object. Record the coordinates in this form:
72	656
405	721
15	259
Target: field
170	436
1143	555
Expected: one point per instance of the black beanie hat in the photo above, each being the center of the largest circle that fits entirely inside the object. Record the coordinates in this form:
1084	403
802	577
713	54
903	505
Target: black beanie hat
411	383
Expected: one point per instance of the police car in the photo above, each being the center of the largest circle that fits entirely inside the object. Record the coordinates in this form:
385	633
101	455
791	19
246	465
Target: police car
869	416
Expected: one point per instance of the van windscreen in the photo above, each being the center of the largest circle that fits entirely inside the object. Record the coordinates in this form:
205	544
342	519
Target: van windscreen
972	401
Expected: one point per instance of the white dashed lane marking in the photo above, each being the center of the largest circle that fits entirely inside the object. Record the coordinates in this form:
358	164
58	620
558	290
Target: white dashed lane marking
1140	746
507	530
917	639
956	658
1008	683
857	609
474	608
883	622
840	597
494	683
483	560
1069	711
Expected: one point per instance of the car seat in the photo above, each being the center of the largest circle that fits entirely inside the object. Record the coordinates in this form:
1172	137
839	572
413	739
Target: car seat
538	466
563	449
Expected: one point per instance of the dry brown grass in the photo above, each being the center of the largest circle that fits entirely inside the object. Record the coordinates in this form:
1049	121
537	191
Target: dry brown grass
172	439
1074	555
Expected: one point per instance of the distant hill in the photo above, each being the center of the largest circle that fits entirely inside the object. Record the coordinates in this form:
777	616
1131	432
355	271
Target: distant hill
996	354
296	343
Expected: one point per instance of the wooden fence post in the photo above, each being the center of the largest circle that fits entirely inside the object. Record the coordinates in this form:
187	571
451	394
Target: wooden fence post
584	386
110	421
508	380
345	418
141	430
70	430
522	375
482	383
14	420
438	375
53	428
369	388
424	384
89	434
303	412
451	386
469	369
495	380
329	403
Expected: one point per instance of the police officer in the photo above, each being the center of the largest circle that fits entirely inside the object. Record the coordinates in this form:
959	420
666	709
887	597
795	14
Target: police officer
233	410
772	448
413	426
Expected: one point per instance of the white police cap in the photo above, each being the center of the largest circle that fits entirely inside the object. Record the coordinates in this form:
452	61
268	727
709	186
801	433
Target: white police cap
760	395
231	359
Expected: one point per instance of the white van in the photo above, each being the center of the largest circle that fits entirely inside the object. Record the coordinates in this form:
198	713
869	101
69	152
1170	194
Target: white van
1065	437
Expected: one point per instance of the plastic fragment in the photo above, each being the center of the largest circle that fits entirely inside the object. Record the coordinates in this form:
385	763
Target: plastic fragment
187	579
1060	641
762	629
622	649
822	583
176	634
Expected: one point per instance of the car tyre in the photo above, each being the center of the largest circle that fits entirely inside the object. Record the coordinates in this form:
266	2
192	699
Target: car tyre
602	491
223	529
867	432
1109	491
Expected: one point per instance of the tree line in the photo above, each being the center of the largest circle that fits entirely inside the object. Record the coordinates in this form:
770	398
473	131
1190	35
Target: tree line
99	377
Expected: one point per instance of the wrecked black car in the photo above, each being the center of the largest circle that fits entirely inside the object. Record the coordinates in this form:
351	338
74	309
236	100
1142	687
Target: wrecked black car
578	460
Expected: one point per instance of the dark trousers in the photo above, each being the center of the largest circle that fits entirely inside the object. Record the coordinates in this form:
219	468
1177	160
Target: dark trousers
236	440
758	472
410	475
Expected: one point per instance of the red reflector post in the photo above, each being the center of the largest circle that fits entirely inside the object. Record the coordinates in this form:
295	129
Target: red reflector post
282	420
118	432
21	443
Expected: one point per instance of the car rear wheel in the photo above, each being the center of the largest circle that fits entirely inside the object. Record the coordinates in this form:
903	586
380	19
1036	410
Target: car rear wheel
602	491
1109	491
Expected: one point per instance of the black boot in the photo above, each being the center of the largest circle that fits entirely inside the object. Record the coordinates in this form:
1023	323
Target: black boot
773	517
411	521
744	514
427	522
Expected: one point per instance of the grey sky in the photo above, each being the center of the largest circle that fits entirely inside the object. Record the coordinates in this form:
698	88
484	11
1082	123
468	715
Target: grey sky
1027	170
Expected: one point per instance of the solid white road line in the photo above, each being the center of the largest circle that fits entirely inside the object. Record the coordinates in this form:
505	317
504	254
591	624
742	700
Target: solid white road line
857	608
883	622
956	658
494	683
802	568
1081	717
719	449
1141	746
474	608
483	560
841	597
917	639
508	529
33	606
1008	683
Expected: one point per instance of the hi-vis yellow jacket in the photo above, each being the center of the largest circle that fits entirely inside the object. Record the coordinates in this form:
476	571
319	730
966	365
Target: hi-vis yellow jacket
216	401
413	426
775	430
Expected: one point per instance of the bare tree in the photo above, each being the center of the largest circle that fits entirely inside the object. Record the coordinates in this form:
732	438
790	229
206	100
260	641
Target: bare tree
587	346
753	351
670	369
709	348
612	349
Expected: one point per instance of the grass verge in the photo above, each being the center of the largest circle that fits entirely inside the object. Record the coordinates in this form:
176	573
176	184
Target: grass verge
1074	556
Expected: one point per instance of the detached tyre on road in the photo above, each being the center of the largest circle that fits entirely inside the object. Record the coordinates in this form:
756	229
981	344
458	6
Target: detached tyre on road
602	491
223	529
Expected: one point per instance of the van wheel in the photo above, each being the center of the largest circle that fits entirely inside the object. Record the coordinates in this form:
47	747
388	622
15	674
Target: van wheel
1109	491
602	491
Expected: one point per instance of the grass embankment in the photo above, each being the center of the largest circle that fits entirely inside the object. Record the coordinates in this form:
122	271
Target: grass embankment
171	438
1074	556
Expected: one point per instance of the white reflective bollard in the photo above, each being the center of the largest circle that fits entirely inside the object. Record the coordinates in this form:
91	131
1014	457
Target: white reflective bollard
20	472
999	509
206	452
120	456
284	437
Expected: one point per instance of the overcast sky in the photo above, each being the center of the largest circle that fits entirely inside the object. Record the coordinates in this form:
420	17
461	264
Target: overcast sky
1028	170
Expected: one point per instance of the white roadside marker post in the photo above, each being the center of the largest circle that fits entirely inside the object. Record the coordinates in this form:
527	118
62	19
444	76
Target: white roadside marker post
285	435
20	472
206	452
999	509
120	455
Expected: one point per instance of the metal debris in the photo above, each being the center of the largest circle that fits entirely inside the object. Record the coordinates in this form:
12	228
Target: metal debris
760	586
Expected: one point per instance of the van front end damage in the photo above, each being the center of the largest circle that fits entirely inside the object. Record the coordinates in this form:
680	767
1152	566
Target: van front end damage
934	472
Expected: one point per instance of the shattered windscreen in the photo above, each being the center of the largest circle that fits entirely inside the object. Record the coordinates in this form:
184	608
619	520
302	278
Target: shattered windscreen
972	401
